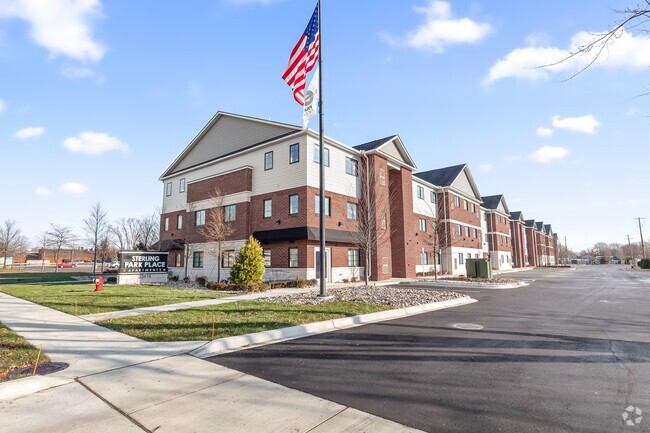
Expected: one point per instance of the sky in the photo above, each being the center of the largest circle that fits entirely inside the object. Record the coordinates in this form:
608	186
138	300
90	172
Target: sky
98	97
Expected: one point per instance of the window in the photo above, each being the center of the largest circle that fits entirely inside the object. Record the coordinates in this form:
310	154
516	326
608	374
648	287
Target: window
353	258
382	177
267	258
461	259
382	224
459	229
177	260
181	185
499	218
485	216
424	260
228	257
384	265
327	205
420	192
469	256
197	259
467	231
294	153
168	189
486	237
351	166
293	257
293	204
326	155
458	204
476	256
166	224
433	197
423	225
437	258
199	218
268	160
179	222
352	211
230	213
268	203
475	233
473	207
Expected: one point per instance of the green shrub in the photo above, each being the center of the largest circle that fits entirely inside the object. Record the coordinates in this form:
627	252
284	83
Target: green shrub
250	287
218	286
644	263
249	266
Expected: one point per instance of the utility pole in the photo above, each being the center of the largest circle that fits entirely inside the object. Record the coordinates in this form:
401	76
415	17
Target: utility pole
566	252
641	234
629	244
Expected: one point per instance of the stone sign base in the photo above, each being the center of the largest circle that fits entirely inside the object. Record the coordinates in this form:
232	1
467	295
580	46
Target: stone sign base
142	278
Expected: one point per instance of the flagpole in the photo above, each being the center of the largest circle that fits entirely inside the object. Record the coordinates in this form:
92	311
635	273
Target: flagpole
321	165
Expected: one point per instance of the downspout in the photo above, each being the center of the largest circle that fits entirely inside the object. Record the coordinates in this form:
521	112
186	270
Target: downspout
369	252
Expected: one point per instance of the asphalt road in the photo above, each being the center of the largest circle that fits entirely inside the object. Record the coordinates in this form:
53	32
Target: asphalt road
569	353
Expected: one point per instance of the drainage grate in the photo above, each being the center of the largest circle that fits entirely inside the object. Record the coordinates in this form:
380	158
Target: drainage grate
468	326
42	369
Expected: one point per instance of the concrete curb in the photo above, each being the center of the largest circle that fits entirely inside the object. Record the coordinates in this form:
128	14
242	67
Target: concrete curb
240	342
29	385
464	286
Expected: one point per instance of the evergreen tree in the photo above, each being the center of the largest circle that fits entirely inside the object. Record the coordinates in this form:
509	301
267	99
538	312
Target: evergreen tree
249	266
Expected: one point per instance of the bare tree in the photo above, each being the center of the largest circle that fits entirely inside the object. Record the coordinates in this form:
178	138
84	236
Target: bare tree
149	231
105	250
435	239
59	237
216	230
11	241
95	227
126	233
633	18
372	213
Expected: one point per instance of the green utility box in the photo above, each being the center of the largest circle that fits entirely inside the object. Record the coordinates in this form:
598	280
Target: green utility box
478	268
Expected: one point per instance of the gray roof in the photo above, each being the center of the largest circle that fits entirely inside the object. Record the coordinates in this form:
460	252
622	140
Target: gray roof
491	201
530	223
441	176
372	145
548	228
539	225
517	215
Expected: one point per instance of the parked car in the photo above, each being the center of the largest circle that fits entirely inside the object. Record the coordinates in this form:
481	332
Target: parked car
113	265
67	265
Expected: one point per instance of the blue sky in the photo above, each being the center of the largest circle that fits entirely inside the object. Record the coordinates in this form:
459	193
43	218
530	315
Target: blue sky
98	97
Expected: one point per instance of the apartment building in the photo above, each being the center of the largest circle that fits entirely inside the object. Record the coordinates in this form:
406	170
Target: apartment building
261	178
519	244
497	216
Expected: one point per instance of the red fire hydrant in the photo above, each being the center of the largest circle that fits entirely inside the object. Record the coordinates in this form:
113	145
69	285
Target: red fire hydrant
99	283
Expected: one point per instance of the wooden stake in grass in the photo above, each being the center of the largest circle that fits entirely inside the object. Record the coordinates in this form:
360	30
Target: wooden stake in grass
38	357
214	319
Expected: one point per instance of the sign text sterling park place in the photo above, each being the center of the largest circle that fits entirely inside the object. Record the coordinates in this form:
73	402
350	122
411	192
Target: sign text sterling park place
142	267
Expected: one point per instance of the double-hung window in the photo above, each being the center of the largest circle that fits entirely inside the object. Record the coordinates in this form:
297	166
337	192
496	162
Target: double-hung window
230	213
199	218
268	160
353	258
168	189
423	225
420	192
294	153
268	203
433	197
293	257
197	259
267	258
327	205
351	166
181	185
228	257
326	155
352	211
293	204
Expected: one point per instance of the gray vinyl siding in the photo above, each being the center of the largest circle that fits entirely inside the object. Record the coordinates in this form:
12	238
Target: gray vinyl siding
228	135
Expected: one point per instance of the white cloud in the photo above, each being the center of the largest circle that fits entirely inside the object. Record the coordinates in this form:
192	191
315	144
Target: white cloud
544	132
2	106
440	29
29	133
73	73
512	158
632	112
549	153
626	51
94	143
485	168
73	188
42	191
63	27
586	124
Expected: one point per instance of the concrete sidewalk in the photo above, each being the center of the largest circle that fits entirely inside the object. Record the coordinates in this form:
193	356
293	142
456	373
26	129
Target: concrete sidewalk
119	383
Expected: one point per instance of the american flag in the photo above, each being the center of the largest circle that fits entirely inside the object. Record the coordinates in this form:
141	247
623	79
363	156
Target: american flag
303	59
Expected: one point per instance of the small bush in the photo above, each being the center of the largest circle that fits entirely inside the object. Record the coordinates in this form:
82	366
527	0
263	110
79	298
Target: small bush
250	287
223	286
111	280
644	263
173	278
354	280
345	280
186	280
201	281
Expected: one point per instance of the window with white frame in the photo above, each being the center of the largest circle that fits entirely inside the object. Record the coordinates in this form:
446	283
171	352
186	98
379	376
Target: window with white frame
465	204
424	257
352	211
168	189
230	213
382	177
166	225
459	229
475	233
199	218
461	259
267	257
467	231
423	225
326	155
179	222
382	223
473	207
294	153
420	192
268	208
293	204
353	257
433	197
457	201
486	238
352	166
268	160
181	185
327	205
293	257
228	257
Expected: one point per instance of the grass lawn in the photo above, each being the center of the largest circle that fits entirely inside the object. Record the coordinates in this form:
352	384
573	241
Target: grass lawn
37	277
79	299
231	319
15	352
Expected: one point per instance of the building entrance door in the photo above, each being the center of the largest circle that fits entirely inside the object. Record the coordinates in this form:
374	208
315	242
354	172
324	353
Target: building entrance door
328	263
